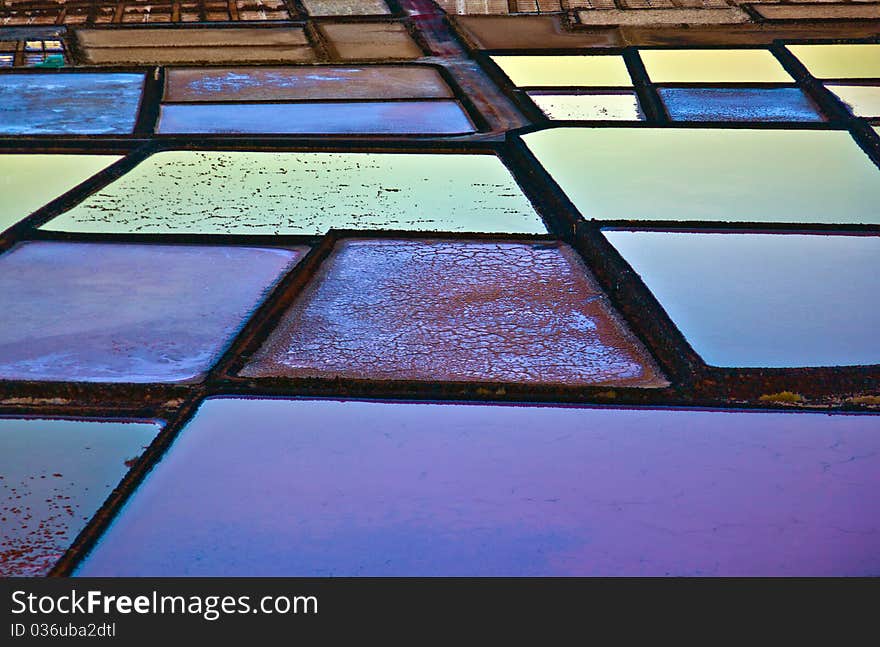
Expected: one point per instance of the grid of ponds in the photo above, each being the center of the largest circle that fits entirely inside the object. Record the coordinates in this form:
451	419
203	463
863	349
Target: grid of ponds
345	293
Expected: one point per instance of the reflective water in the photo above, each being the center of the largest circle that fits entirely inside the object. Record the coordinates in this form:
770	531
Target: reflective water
707	174
54	475
862	100
764	299
525	71
857	61
713	66
356	488
97	312
323	118
28	182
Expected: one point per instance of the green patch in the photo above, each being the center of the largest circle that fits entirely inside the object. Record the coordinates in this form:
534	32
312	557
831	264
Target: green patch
870	400
783	397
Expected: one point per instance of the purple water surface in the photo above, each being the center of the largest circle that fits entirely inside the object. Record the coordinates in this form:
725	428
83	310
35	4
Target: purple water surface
375	117
100	312
328	488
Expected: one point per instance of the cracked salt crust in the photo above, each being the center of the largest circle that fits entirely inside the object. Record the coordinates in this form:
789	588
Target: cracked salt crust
456	311
306	193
